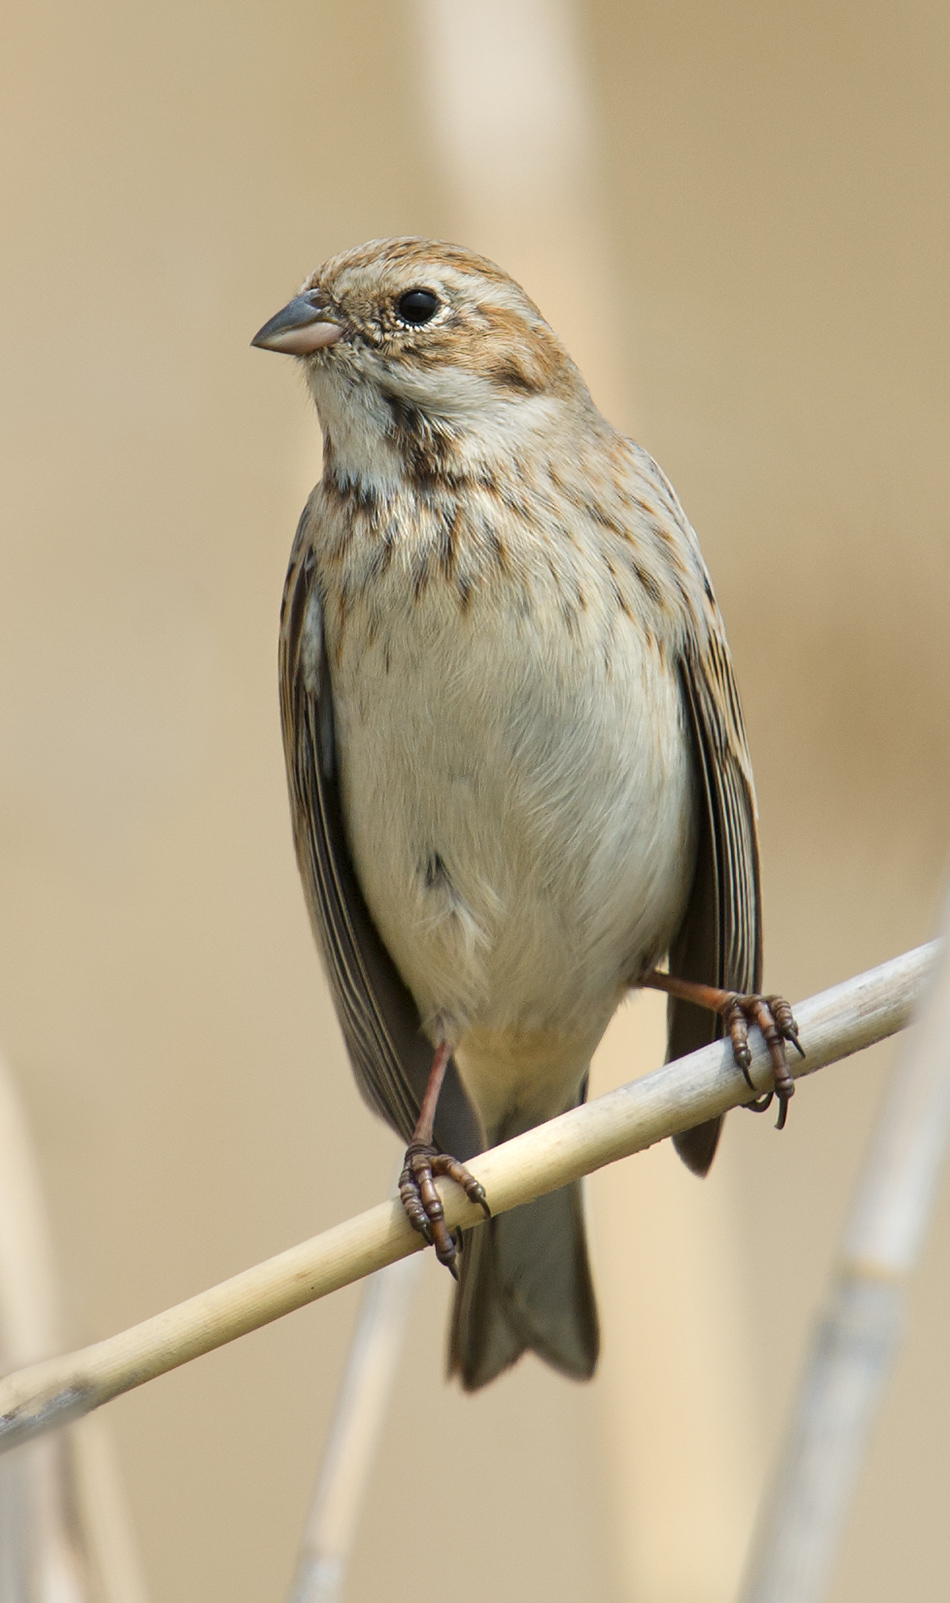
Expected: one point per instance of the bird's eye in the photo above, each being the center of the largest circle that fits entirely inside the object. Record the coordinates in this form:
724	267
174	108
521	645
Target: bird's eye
417	306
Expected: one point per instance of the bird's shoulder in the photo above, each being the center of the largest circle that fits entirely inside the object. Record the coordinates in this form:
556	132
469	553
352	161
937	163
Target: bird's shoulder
705	658
644	537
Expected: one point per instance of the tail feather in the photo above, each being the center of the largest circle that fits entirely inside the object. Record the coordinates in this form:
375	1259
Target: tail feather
697	1147
525	1284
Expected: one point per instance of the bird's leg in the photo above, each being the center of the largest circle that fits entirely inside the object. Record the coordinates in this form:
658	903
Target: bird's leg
771	1013
424	1162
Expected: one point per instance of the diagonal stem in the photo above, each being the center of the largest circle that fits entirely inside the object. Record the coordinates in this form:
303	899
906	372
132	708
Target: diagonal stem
680	1095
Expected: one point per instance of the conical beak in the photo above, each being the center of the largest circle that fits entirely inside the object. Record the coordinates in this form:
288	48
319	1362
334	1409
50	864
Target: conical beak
298	329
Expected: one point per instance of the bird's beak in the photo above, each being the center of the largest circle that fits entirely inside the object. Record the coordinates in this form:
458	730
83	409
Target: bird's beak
298	329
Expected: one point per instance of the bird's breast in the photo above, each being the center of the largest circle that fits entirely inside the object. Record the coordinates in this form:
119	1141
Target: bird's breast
517	793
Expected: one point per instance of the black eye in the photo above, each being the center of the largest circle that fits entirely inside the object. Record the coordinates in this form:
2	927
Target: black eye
417	306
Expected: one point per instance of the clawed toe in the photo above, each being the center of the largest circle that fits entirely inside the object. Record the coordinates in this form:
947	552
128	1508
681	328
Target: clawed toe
423	1205
776	1021
773	1016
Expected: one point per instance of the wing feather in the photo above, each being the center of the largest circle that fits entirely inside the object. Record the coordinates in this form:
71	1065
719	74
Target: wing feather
390	1055
720	940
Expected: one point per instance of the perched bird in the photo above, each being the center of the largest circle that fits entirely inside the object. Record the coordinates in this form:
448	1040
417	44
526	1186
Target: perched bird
517	767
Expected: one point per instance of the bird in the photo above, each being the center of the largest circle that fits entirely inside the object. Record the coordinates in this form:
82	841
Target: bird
518	773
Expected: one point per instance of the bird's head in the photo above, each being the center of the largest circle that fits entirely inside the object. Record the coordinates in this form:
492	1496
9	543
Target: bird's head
405	340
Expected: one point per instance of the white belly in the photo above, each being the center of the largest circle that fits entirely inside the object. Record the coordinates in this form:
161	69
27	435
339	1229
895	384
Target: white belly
522	822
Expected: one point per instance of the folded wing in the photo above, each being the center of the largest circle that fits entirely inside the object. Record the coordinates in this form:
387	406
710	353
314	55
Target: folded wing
390	1055
719	942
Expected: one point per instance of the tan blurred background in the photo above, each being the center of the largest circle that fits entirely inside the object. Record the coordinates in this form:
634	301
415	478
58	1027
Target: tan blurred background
737	217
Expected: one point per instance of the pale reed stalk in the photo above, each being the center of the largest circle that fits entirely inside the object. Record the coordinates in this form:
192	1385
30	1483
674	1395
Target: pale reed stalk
680	1095
65	1535
859	1331
354	1434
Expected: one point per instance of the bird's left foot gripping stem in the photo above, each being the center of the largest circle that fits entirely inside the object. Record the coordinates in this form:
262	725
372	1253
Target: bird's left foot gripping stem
771	1013
424	1163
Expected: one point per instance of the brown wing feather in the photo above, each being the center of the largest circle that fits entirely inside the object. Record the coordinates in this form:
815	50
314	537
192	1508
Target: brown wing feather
390	1055
719	942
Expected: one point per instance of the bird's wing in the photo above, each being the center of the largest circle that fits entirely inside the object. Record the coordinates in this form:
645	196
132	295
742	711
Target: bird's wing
391	1057
719	941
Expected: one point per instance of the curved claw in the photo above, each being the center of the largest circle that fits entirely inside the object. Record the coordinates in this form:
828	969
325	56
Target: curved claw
761	1104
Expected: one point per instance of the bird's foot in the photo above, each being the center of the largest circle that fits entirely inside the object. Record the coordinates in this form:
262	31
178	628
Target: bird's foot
775	1019
423	1205
773	1016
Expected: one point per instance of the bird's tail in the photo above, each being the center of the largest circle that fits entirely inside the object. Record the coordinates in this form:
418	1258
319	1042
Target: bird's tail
525	1283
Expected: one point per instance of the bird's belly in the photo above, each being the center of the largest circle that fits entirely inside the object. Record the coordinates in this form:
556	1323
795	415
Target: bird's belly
521	819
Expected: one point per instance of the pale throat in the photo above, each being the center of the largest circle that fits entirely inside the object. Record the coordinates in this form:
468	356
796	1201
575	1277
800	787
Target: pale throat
374	438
